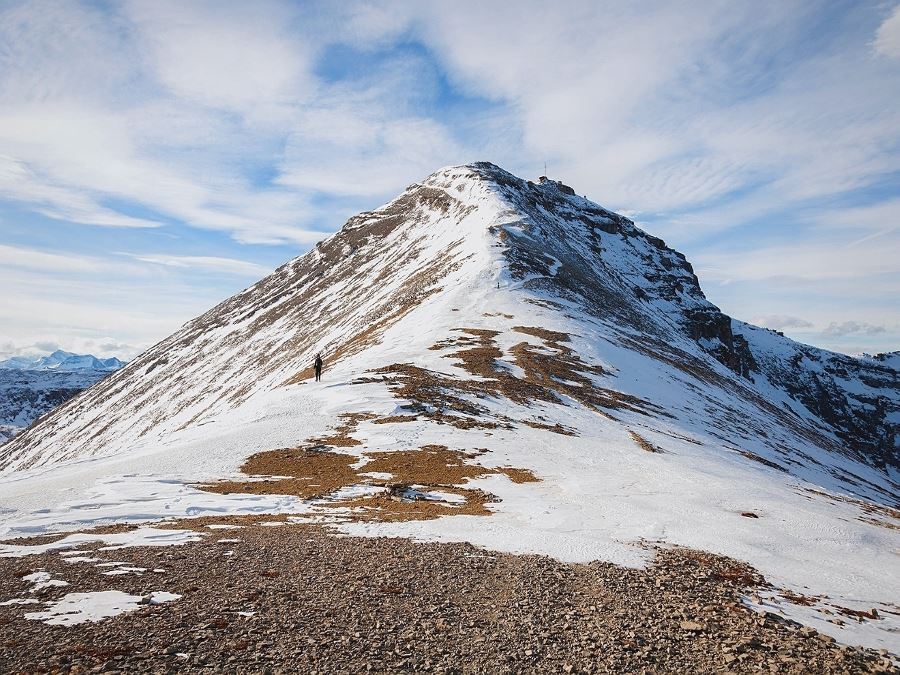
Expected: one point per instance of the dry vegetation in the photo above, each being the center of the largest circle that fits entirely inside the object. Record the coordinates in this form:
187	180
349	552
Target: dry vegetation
643	443
553	373
341	437
313	473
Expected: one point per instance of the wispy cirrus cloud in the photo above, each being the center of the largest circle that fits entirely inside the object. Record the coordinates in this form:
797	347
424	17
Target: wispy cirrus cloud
887	39
206	263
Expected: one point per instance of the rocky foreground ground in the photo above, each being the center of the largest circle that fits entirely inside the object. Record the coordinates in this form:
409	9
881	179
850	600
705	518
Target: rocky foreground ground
298	599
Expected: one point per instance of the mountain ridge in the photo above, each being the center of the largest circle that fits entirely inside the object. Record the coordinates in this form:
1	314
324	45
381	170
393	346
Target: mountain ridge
553	241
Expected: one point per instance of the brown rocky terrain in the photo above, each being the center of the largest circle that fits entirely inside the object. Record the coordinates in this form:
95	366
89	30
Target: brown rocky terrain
313	602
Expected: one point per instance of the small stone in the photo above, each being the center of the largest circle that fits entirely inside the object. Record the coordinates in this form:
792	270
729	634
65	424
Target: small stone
692	626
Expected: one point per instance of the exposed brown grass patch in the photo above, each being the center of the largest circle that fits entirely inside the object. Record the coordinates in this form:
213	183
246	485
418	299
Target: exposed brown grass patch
799	598
341	437
35	539
439	397
553	372
555	428
395	419
311	474
519	475
859	615
314	474
643	443
387	508
738	575
431	465
762	460
437	465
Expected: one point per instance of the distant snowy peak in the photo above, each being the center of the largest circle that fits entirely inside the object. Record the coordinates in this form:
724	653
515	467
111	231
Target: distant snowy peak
61	360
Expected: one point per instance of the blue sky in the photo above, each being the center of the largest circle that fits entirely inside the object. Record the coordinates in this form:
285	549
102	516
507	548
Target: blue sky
157	156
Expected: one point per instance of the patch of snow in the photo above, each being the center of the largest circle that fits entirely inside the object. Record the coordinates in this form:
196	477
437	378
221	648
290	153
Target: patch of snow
826	618
124	570
142	536
19	601
78	558
76	608
159	597
41	580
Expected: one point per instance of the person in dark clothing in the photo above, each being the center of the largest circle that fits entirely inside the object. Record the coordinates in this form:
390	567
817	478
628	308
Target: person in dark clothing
318	366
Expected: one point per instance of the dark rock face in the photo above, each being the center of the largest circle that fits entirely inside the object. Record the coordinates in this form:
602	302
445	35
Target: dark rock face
711	326
857	399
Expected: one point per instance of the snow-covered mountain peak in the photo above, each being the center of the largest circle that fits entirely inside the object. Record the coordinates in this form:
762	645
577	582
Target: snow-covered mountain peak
441	256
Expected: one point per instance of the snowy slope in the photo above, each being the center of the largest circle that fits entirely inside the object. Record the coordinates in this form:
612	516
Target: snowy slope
577	318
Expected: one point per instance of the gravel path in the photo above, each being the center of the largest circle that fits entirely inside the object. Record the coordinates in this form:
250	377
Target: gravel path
322	603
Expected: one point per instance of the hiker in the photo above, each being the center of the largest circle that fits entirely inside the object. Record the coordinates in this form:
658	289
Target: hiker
318	365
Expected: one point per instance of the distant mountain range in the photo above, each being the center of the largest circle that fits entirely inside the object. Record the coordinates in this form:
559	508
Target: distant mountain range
60	360
31	386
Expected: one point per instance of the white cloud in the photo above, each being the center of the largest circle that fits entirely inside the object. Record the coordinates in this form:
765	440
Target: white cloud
19	183
802	260
781	321
42	261
852	328
887	39
232	55
84	122
210	263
